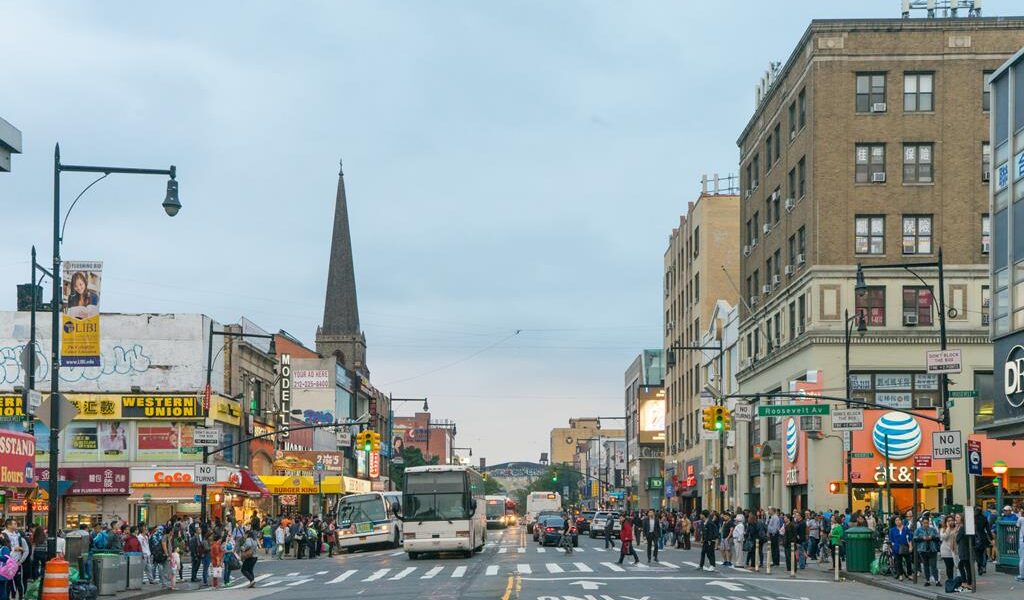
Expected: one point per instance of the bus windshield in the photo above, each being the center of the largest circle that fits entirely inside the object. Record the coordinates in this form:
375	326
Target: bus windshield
360	509
435	496
495	509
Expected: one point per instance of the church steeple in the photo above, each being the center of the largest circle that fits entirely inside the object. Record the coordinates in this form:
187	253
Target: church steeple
339	335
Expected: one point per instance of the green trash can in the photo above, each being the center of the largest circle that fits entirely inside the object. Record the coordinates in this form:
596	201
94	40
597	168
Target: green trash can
860	549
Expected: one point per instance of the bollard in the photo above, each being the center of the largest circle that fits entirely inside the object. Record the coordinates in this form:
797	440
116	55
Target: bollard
791	548
757	556
55	580
835	551
768	563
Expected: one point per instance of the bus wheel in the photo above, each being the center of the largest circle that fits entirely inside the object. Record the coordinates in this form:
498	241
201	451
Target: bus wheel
414	555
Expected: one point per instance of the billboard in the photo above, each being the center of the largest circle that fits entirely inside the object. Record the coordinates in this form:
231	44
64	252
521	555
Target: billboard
651	401
80	323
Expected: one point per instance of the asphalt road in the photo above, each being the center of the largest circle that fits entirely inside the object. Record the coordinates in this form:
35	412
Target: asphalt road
513	567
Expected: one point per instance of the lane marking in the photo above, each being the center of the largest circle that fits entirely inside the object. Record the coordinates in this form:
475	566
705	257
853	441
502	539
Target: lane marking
553	568
614	567
295	574
492	570
322	572
458	572
397	553
272	582
600	549
521	550
502	550
670	578
339	578
377	574
524	569
692	564
541	550
299	582
431	573
668	564
261	578
401	574
508	588
583	568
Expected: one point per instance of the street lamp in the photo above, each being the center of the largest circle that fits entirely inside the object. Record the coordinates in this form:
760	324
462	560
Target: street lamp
171	206
999	468
861	287
862	328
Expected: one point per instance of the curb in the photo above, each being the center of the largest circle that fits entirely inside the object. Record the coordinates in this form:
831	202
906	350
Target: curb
885	584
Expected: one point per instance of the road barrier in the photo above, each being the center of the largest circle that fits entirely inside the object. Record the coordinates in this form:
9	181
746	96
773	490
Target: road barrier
55	584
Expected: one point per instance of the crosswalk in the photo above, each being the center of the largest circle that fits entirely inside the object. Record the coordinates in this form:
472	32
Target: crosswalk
386	574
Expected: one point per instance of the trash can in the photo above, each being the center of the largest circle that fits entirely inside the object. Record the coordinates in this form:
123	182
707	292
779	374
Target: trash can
76	544
134	565
860	549
108	573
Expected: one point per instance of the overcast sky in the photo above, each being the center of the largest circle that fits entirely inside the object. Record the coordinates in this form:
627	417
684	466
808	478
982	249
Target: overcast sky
511	166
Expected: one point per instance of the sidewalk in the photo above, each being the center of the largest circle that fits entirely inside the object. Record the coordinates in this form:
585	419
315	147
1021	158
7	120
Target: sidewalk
991	586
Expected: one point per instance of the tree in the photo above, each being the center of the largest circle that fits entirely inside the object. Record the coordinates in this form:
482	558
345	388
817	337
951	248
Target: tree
411	457
491	486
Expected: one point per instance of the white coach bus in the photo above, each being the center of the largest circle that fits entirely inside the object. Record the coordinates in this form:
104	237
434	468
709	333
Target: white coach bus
443	510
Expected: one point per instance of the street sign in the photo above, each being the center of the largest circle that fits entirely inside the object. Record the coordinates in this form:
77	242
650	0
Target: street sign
922	461
743	412
944	361
33	398
205	474
969	522
706	399
205	436
68	411
947	445
847	441
793	410
344	438
708	435
962	393
973	457
862	455
848	419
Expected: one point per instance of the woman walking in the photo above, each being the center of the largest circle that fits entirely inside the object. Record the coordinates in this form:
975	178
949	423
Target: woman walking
899	537
247	552
626	535
947	549
926	539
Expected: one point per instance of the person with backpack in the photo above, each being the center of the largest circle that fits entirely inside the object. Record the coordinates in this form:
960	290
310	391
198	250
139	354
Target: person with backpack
158	557
247	552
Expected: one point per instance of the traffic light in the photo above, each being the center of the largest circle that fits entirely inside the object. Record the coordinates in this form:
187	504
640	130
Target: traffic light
364	440
726	419
554	478
836	487
709	418
375	441
719	417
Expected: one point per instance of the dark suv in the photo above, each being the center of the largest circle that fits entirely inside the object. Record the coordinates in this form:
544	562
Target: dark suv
583	521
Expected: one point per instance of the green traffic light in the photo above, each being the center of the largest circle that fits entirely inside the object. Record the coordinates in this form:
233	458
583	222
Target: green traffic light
367	447
718	424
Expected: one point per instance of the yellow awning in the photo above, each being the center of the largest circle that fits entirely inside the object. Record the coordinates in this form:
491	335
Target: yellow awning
302	484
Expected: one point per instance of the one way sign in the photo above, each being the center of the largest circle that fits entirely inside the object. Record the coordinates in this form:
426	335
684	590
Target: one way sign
946	445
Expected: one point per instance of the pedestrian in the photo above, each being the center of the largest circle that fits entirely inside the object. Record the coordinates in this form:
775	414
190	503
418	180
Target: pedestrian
739	535
774	527
685	530
709	535
626	540
813	535
947	546
835	538
963	550
725	545
982	539
902	547
247	552
788	536
1020	543
609	528
800	529
158	556
268	537
926	540
652	533
216	558
282	541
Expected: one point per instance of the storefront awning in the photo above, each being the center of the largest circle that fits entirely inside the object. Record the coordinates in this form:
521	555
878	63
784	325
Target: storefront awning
302	484
251	485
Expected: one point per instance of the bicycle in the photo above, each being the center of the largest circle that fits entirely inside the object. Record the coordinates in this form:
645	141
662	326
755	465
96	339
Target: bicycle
886	560
566	542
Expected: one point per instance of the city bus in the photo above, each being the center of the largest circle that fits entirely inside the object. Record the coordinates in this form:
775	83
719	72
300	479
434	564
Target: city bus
369	519
541	501
499	516
443	510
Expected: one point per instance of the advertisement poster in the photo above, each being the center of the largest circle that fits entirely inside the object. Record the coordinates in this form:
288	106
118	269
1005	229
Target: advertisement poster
113	440
167	442
82	443
652	414
80	323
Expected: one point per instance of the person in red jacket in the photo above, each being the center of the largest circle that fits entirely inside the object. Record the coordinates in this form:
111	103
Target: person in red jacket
131	541
626	535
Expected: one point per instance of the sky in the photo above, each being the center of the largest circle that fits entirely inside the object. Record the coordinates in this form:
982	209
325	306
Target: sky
513	169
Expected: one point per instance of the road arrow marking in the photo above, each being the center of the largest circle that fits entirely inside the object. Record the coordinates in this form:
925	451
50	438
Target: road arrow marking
732	587
587	585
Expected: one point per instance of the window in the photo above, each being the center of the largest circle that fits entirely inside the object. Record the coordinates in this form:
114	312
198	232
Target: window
696	287
986	161
750	177
750	232
869	234
750	286
768	146
870	163
757	283
986	91
917	163
696	241
918	94
778	141
801	100
768	271
756	166
757	227
801	238
792	184
777	322
871	306
985	305
986	233
792	320
792	120
917	305
984	404
870	91
801	169
768	210
792	249
800	314
776	200
917	234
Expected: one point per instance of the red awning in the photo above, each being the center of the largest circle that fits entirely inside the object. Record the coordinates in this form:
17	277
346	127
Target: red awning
252	485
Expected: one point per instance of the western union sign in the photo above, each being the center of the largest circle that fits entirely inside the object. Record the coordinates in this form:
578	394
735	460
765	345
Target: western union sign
161	407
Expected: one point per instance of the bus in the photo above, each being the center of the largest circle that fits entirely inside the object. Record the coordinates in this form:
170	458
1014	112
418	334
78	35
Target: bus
443	510
369	519
500	512
541	501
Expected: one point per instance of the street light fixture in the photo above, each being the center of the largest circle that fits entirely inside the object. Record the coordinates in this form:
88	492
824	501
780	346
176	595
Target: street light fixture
861	318
999	468
171	205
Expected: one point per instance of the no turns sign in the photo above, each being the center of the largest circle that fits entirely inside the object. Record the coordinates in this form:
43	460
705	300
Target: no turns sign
947	445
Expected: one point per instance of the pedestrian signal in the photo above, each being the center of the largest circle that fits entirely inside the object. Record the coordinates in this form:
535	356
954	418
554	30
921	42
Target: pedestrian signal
836	487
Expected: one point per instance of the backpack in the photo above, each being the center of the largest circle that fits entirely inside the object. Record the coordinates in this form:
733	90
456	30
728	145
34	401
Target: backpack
9	569
953	584
101	541
156	549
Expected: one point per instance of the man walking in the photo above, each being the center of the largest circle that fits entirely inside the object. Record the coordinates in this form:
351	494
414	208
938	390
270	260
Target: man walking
652	533
609	527
774	529
709	537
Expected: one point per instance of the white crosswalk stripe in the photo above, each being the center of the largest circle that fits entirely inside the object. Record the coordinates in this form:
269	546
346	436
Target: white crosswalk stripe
583	568
524	569
492	570
343	576
272	582
458	572
502	550
690	563
432	573
299	582
521	550
401	574
397	553
377	574
554	568
294	574
668	564
541	550
613	567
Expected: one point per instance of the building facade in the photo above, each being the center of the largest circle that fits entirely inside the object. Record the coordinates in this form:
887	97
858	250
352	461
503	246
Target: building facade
563	440
10	143
701	267
869	145
645	429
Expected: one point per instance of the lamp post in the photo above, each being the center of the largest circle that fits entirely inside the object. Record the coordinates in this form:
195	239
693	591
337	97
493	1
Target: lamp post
999	468
861	288
861	320
171	206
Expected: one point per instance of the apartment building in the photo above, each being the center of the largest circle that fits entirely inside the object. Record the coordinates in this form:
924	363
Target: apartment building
701	268
869	145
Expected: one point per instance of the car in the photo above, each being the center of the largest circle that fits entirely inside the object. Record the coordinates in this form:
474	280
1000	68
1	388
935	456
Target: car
553	528
600	521
538	525
583	521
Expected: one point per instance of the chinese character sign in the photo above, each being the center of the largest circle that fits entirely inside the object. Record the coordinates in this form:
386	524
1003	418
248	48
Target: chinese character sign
80	323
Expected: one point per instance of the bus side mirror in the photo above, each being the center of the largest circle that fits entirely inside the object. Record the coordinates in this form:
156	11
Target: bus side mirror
472	506
396	507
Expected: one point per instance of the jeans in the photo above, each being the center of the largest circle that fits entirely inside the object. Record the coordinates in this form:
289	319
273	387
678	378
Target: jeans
707	549
661	541
801	556
774	537
981	557
206	570
608	541
156	571
930	566
652	544
247	568
812	547
951	569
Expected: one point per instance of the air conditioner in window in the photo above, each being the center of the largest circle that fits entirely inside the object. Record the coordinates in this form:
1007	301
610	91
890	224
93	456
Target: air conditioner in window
776	280
984	320
789	270
753	242
799	328
810	424
878	107
909	320
792	135
985	246
754	300
926	402
746	251
766	228
747	194
986	302
986	176
878	177
766	289
800	259
775	195
790	204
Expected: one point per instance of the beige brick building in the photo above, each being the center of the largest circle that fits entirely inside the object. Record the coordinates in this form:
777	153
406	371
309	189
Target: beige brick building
701	268
868	145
